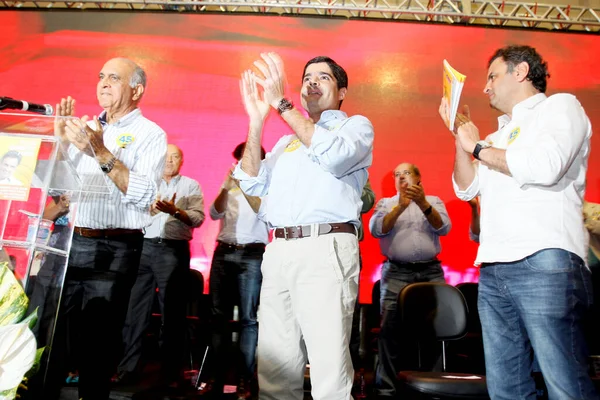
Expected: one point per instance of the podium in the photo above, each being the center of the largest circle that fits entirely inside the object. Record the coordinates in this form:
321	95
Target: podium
40	190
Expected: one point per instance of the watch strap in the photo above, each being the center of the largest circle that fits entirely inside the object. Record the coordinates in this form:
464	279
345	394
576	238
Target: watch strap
107	167
482	144
284	105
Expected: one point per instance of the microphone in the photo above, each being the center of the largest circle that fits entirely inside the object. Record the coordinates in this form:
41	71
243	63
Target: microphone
12	104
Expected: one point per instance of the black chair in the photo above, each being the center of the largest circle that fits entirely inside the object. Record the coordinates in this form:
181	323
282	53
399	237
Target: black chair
436	311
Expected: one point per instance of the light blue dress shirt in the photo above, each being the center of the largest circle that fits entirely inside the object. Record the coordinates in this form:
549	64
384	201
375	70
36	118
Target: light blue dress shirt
316	184
412	239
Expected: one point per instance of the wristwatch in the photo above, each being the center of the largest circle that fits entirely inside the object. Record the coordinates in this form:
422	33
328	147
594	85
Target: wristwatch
177	214
284	105
482	144
107	167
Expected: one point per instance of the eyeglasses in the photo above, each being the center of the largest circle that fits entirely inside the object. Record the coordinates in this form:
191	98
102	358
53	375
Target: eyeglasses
400	173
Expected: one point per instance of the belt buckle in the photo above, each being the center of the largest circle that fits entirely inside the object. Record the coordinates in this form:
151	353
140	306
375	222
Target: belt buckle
288	236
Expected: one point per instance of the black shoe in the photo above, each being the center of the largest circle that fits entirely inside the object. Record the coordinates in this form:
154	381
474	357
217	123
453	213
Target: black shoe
125	378
243	390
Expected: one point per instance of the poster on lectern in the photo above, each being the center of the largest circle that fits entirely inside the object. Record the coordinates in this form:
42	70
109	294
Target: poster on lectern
18	157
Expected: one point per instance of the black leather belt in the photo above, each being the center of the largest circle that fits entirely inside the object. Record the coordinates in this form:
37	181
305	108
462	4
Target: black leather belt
239	246
163	240
299	232
104	233
415	265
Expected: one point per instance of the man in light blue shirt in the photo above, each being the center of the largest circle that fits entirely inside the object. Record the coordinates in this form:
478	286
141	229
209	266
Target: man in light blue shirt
408	226
314	179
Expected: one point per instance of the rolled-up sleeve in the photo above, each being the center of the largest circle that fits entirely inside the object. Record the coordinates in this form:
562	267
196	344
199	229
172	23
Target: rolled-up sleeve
254	185
367	197
194	207
146	173
470	192
546	161
344	150
214	214
438	204
376	221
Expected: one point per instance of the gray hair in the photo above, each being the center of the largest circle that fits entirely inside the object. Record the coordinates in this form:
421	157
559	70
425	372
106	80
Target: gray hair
138	77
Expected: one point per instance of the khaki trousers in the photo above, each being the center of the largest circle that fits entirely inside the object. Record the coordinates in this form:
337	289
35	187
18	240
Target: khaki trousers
306	304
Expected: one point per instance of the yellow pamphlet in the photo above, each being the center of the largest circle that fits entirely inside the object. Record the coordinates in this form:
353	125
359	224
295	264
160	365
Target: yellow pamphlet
453	84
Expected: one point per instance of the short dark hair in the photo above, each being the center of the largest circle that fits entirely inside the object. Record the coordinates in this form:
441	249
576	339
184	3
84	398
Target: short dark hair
12	154
238	152
339	73
513	55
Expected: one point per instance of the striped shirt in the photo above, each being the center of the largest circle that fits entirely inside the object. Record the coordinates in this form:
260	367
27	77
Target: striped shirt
239	222
141	146
189	198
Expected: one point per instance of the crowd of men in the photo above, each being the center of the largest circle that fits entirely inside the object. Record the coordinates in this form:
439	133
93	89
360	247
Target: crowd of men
534	288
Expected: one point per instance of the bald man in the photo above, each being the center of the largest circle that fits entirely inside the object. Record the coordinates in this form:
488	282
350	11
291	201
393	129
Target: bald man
165	263
125	151
408	226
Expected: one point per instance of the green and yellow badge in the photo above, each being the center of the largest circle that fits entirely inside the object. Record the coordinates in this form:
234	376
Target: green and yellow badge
514	134
293	145
125	139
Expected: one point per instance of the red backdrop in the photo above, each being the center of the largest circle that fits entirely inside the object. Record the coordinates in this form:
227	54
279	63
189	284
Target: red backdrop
194	62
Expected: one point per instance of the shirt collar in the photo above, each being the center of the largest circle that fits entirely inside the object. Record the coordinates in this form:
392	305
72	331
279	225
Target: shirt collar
174	180
522	107
124	121
329	117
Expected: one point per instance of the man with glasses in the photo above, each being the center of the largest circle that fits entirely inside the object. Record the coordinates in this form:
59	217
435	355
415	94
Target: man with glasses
409	226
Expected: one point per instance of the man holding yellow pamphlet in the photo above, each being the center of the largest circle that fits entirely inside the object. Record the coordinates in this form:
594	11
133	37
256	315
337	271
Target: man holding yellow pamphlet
534	286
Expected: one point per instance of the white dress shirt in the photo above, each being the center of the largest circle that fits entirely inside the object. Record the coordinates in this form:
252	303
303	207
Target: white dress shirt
188	198
547	144
412	238
316	184
141	146
239	223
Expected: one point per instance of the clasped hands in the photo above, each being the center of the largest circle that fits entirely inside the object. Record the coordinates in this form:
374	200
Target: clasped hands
76	131
413	193
164	205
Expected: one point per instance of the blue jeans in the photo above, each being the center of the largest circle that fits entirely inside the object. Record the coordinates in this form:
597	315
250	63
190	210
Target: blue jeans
536	304
235	278
394	352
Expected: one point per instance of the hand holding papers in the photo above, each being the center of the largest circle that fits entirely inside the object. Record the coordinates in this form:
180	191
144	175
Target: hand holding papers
453	82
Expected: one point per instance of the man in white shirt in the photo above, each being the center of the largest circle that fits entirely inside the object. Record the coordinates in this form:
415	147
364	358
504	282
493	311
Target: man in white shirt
129	150
409	226
164	265
314	179
534	287
235	278
8	163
